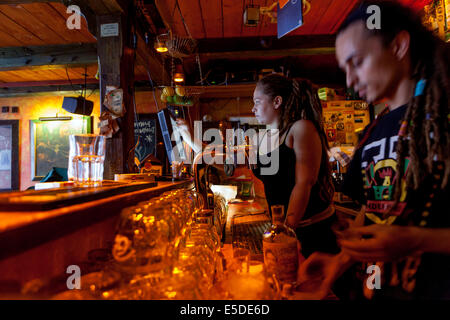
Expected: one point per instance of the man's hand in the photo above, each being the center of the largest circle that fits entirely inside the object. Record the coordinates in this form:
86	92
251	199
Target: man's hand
381	242
319	272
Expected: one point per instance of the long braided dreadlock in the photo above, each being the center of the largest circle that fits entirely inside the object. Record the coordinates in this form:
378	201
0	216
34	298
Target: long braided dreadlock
300	101
424	135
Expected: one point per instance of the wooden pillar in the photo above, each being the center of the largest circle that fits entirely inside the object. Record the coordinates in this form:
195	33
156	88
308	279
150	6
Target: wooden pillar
117	69
127	64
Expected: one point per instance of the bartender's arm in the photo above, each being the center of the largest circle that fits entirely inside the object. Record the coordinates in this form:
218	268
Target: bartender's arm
186	132
307	147
390	242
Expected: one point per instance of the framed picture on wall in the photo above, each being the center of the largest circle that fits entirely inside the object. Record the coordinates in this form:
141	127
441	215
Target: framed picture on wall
9	155
49	143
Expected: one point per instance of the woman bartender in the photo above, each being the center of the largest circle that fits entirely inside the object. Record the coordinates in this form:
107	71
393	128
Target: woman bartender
302	182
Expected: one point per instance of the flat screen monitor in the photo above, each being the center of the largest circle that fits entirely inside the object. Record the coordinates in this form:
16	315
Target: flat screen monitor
173	141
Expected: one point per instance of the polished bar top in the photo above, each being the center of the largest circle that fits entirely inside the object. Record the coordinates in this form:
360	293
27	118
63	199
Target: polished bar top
14	219
22	230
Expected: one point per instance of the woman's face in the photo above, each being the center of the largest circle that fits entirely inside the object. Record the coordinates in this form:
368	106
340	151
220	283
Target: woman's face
265	108
371	68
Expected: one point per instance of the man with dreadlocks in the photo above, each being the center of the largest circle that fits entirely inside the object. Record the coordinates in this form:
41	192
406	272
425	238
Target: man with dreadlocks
400	169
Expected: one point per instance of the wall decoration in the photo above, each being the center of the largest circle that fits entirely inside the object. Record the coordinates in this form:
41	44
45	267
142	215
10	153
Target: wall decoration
9	149
49	143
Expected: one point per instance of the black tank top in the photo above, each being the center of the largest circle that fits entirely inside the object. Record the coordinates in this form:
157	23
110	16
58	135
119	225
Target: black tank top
278	186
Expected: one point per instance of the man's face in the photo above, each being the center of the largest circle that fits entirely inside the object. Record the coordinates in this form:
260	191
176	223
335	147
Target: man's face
370	67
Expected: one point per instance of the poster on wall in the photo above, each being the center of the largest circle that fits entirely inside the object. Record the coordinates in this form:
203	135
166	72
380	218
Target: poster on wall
49	143
5	156
343	120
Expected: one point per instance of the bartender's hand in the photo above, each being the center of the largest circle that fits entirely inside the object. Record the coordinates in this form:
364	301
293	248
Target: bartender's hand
322	268
183	125
380	242
187	133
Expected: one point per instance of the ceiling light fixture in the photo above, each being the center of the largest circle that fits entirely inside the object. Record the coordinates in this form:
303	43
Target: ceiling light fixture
55	118
160	44
251	15
178	77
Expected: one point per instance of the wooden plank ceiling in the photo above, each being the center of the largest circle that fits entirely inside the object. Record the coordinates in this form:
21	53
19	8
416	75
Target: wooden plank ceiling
44	24
48	74
215	23
218	25
224	18
37	24
41	24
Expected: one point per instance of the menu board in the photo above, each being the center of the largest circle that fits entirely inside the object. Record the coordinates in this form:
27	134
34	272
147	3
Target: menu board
145	136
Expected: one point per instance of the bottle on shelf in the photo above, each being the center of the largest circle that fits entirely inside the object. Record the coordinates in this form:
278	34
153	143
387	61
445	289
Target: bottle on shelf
280	248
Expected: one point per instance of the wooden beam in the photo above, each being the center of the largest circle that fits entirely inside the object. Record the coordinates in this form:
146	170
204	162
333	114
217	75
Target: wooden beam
127	68
265	43
152	62
62	56
28	1
207	92
151	11
254	47
46	90
47	83
267	53
109	51
230	91
148	57
100	7
117	59
115	6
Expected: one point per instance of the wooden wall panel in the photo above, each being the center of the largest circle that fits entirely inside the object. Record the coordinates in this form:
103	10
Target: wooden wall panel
31	108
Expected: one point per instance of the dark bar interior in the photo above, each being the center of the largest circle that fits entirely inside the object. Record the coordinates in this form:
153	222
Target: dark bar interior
224	150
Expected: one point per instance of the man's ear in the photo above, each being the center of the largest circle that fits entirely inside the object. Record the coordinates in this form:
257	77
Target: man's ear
400	45
277	102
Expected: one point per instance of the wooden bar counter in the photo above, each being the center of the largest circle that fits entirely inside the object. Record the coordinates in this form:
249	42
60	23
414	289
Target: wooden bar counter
44	232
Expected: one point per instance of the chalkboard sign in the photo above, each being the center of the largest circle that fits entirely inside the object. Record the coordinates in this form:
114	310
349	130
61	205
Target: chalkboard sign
145	136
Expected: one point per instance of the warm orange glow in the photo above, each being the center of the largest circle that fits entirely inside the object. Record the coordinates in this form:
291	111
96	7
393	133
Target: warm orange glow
178	77
161	47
